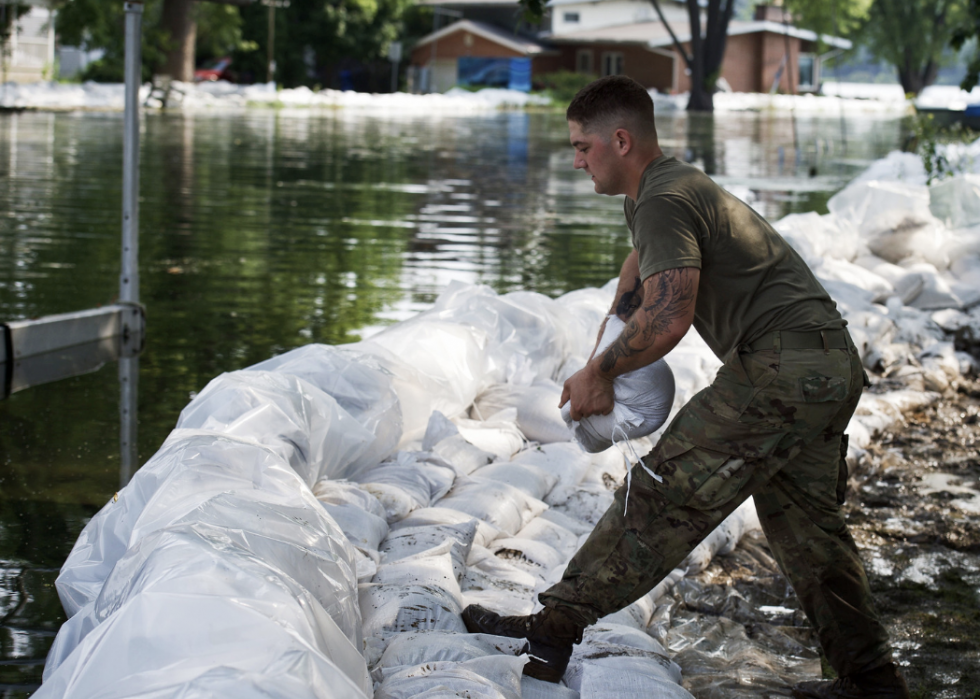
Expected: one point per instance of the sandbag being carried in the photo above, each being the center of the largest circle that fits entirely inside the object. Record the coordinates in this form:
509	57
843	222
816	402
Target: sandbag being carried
644	398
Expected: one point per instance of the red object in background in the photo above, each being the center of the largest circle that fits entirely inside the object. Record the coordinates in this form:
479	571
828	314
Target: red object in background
217	69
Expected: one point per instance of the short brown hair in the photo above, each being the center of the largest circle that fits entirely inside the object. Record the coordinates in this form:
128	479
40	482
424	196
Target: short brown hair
613	101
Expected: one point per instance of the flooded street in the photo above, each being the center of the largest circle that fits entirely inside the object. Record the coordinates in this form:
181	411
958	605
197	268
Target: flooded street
266	230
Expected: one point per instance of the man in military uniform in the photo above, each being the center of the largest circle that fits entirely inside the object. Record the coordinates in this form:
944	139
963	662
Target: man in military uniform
770	425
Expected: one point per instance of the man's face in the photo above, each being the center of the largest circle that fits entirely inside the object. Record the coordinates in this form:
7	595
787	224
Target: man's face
596	154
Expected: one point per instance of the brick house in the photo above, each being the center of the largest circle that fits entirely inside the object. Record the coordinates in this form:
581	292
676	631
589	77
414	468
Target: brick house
612	37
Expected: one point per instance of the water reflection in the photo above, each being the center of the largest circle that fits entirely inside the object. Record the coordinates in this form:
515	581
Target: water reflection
265	230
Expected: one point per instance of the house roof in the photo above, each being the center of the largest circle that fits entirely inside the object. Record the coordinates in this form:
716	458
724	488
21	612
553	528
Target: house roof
655	34
489	32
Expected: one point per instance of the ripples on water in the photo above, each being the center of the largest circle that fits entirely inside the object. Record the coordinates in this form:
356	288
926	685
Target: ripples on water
265	230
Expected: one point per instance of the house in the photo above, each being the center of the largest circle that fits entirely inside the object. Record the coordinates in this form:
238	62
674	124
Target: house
28	53
627	37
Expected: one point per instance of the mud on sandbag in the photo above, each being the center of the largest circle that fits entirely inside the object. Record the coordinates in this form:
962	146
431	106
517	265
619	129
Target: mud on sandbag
409	541
485	532
643	397
491	677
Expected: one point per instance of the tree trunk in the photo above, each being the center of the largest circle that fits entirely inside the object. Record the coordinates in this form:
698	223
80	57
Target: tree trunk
180	24
915	78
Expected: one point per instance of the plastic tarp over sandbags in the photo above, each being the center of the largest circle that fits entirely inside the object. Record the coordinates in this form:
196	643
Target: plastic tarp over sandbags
307	426
358	383
644	398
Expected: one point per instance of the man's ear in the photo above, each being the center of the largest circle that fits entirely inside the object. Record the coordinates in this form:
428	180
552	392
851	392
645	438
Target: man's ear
623	140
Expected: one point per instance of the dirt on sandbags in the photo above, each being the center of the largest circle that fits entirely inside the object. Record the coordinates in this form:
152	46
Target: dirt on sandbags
914	509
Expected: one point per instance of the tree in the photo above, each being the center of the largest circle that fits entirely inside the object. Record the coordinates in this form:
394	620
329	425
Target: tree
912	35
969	29
210	28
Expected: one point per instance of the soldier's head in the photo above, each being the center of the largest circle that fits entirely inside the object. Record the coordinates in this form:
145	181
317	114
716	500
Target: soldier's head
610	124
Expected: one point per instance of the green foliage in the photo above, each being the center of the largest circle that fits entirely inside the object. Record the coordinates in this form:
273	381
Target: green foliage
913	35
832	17
562	85
969	29
929	141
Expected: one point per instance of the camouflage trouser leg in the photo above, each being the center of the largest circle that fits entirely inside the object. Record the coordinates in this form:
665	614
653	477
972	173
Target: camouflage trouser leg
771	424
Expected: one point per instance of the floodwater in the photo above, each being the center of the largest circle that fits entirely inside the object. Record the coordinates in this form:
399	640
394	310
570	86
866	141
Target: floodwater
265	230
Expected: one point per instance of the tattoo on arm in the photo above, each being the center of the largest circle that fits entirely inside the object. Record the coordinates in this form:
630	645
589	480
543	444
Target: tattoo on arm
671	294
630	301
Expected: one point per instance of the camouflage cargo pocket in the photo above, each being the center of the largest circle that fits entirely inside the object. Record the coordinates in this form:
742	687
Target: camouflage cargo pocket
822	389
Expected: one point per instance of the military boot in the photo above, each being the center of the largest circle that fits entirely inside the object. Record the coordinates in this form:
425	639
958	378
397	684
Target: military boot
885	682
550	636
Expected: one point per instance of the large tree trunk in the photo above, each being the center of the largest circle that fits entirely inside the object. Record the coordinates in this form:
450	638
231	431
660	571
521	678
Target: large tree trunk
915	78
179	22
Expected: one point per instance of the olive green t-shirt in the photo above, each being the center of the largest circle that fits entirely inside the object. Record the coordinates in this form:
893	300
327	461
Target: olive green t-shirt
752	281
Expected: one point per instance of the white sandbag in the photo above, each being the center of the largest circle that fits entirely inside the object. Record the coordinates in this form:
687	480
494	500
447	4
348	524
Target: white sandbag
419	593
360	386
649	676
341	492
485	532
841	270
561	539
503	602
498	434
588	502
536	557
503	506
576	526
388	610
936	293
589	307
956	201
532	688
611	634
400	485
485	571
363	529
412	649
366	564
724	538
636	615
538	415
526	477
490	677
644	398
817	237
305	425
564	460
443	439
411	541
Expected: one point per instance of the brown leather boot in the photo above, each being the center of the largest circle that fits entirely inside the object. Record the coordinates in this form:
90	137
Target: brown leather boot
550	636
885	682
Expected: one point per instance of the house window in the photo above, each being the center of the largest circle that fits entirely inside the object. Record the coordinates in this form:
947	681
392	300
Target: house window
584	62
612	63
571	17
808	71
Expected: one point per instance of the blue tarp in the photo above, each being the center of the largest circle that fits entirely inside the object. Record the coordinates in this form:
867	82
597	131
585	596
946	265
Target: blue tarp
512	73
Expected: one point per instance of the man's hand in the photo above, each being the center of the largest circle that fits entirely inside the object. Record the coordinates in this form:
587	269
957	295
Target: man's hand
590	393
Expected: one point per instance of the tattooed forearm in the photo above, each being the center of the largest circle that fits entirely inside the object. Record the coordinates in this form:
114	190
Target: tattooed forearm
667	301
630	301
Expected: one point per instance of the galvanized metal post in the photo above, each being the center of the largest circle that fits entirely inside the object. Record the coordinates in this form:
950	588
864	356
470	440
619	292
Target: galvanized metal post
129	279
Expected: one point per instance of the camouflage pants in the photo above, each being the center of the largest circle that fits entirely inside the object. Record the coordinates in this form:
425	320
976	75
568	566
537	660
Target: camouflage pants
770	425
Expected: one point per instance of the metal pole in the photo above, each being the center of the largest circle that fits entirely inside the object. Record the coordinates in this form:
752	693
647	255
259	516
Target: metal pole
129	279
270	59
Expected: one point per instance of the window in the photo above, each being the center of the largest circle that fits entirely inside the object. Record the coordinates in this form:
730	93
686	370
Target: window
612	63
584	61
808	71
571	17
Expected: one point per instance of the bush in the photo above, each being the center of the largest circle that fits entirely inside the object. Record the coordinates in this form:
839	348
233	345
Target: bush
561	86
929	140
